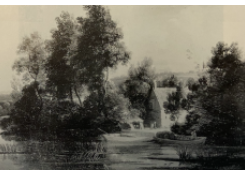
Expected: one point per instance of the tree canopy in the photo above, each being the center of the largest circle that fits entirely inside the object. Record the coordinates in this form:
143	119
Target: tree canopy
57	71
217	97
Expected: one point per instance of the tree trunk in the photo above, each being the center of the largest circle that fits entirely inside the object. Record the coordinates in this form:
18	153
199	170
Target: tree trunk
79	99
71	97
41	101
107	74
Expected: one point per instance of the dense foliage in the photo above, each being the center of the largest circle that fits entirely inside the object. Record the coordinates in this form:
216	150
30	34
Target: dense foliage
66	93
5	104
216	100
139	84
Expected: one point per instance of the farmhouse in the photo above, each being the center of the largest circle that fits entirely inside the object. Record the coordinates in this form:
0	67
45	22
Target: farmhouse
155	113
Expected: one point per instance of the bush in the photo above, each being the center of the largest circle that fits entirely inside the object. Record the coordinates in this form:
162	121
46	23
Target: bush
166	135
185	129
64	121
5	108
180	129
184	153
222	133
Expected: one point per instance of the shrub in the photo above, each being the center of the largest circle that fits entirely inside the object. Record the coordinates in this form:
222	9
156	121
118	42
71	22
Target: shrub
166	135
184	153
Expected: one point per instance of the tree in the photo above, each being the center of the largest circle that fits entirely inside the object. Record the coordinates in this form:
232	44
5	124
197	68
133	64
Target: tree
78	56
175	102
118	108
99	48
218	97
32	63
25	116
17	86
139	85
170	82
143	72
225	77
60	66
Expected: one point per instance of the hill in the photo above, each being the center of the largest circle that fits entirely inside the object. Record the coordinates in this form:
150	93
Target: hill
118	80
181	76
5	104
5	98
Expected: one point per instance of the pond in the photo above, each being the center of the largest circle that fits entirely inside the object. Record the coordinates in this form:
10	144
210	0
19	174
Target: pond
136	154
122	157
134	150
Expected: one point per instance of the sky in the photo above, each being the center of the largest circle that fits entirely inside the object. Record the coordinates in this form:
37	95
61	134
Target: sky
176	38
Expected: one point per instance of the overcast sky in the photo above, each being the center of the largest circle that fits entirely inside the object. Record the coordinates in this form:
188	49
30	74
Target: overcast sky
177	38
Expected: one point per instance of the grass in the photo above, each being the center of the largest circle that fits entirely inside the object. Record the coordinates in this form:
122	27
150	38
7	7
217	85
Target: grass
184	153
212	157
44	155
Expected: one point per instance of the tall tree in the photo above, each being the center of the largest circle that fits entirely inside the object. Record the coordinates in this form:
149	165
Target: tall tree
218	97
59	65
175	102
80	54
139	84
99	48
25	116
31	64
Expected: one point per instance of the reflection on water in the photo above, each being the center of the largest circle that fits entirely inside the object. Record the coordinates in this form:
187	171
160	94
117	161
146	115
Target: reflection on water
106	155
4	141
51	155
49	162
88	155
141	155
94	155
113	154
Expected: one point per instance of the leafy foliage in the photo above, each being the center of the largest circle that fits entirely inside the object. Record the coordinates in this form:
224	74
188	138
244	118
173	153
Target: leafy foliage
217	98
139	85
170	82
175	102
76	58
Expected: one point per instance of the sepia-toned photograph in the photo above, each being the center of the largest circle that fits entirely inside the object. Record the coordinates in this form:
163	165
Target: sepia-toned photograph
122	87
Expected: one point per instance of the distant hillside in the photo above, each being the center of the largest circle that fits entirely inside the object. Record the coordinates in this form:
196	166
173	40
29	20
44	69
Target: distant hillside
5	98
5	104
118	80
181	76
